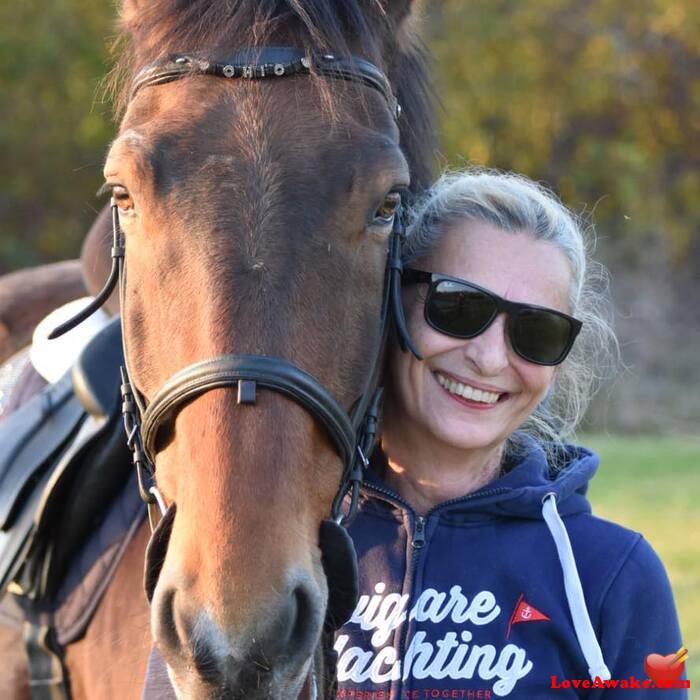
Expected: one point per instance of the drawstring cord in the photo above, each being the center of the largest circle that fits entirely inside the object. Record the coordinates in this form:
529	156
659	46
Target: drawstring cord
574	592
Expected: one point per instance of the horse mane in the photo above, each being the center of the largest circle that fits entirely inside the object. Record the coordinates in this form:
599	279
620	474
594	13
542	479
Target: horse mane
152	29
417	126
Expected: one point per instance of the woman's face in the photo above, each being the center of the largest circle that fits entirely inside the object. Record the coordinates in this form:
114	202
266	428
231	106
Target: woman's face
516	267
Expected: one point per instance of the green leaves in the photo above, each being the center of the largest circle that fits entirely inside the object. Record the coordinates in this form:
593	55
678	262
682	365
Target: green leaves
598	100
53	127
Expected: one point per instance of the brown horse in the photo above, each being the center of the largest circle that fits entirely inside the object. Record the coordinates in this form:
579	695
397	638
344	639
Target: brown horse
256	216
27	296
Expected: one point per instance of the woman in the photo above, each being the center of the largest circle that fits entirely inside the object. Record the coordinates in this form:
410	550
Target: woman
482	571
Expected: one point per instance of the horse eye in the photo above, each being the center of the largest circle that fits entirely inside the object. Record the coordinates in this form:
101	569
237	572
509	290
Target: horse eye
122	198
386	212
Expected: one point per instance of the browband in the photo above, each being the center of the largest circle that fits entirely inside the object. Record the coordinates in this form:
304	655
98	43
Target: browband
267	63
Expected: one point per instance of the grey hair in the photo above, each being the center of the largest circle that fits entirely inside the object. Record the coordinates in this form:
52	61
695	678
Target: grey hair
515	203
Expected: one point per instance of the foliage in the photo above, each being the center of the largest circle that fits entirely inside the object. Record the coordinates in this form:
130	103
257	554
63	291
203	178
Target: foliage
598	98
53	127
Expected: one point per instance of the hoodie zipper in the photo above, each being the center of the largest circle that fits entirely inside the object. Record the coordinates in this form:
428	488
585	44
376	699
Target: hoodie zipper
417	544
418	539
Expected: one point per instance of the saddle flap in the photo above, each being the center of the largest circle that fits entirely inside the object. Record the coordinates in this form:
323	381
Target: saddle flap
30	438
16	542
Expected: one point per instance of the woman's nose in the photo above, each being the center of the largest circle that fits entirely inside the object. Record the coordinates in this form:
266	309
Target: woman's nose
488	351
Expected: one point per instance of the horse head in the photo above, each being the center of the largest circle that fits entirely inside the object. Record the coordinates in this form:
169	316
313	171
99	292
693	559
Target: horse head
256	216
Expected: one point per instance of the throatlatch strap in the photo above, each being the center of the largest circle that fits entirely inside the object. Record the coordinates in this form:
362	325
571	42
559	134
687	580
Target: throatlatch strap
48	678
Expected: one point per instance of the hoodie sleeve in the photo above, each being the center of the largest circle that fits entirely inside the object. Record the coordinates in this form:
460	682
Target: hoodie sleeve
637	618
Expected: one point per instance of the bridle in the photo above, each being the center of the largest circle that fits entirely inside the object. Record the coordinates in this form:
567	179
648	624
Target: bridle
354	432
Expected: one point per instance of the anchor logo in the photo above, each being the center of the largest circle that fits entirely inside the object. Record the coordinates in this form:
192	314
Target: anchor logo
524	612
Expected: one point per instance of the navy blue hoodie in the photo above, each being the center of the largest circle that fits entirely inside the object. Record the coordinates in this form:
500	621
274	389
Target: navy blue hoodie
516	591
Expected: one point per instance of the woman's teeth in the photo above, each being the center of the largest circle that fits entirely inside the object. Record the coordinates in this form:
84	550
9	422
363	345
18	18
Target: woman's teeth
467	392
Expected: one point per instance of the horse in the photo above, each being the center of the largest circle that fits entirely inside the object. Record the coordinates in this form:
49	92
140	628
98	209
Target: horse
256	216
26	296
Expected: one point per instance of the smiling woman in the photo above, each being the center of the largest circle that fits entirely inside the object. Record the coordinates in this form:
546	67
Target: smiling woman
459	365
474	520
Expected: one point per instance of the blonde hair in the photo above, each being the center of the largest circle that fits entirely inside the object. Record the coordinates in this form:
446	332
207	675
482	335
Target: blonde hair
517	204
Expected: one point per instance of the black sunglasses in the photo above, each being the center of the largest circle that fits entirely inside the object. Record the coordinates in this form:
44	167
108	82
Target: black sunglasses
461	309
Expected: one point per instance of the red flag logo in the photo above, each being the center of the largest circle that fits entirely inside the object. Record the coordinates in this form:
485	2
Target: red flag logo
524	612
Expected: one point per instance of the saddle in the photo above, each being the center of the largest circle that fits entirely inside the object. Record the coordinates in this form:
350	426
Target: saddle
69	503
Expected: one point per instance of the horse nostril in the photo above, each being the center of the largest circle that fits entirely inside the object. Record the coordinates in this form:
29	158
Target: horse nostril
163	613
291	633
185	637
303	627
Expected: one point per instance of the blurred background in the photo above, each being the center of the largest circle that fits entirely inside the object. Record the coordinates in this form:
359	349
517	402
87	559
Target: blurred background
600	99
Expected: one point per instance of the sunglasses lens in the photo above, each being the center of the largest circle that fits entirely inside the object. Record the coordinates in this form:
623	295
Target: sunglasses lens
459	310
541	336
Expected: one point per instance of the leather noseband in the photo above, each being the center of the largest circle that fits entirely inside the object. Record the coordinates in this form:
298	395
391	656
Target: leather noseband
247	372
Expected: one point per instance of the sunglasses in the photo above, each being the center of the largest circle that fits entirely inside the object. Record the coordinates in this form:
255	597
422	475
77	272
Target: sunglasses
461	309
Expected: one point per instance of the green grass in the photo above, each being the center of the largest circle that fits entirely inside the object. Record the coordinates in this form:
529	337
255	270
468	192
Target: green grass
652	485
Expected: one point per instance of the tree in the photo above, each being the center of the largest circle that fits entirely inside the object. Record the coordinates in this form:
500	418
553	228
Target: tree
54	128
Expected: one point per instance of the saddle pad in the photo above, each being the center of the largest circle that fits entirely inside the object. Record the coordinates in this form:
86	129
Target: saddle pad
31	439
157	683
53	358
93	565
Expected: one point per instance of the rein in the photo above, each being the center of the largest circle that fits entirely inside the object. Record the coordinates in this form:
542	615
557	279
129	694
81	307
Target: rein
353	433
